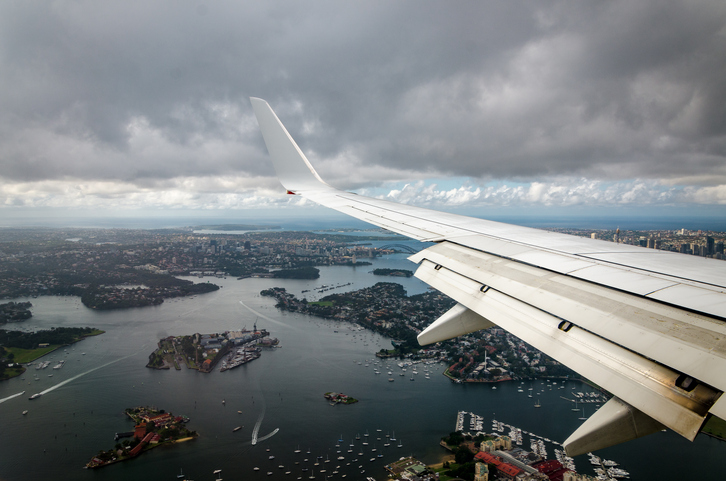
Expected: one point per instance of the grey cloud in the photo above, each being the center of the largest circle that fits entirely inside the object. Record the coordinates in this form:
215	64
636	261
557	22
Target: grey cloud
146	92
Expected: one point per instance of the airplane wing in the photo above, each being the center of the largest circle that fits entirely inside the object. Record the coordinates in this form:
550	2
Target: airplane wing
647	325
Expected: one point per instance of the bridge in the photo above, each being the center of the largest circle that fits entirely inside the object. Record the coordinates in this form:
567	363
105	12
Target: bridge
400	248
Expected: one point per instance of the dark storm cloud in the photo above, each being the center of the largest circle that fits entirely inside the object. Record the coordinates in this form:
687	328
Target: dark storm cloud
146	92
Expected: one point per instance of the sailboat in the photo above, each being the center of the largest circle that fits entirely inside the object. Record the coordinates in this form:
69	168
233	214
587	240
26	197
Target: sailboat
181	474
537	404
583	414
575	408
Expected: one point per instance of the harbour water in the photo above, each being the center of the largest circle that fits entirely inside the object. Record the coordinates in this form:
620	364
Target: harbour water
83	403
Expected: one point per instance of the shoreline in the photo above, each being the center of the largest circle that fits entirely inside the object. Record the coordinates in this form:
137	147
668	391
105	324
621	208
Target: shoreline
24	365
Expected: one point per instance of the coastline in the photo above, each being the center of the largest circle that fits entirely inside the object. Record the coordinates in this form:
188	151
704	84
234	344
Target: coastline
35	356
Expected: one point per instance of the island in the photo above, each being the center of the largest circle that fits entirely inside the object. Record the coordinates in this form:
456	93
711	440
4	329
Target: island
152	428
203	352
339	398
298	273
392	272
15	311
18	347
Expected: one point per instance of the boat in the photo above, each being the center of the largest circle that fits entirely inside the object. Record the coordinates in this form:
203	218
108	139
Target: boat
236	429
35	396
25	412
537	404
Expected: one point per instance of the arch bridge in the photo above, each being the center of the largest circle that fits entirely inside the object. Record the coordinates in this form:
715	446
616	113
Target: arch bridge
400	248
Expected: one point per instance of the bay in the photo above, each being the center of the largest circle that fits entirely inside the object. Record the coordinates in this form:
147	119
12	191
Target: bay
281	390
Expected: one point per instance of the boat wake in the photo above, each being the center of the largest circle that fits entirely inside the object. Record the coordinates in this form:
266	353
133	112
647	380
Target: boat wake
10	397
269	435
256	429
263	316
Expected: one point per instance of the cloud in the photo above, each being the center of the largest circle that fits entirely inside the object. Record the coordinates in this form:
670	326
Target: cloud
552	102
562	192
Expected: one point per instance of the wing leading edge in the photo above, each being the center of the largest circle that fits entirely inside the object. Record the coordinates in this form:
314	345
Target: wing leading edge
646	325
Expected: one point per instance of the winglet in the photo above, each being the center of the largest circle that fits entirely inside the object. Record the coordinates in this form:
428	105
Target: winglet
292	167
614	423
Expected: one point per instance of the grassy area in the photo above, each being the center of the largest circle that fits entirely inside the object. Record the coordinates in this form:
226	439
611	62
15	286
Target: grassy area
321	303
439	468
716	427
12	372
24	356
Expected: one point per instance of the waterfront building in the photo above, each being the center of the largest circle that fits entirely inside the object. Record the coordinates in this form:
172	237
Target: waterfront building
501	443
481	471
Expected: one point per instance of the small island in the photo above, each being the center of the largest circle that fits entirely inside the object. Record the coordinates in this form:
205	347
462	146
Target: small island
339	398
392	272
298	273
15	312
152	428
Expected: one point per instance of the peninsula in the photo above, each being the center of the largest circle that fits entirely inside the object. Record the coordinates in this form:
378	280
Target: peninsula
18	347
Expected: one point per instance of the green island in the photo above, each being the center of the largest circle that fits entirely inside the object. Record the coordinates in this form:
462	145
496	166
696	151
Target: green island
392	272
15	311
298	273
339	398
152	428
17	347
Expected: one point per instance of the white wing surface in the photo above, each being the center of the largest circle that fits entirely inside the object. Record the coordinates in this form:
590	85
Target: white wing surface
649	326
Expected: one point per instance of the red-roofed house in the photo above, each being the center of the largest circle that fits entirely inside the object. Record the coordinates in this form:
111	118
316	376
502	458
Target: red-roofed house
551	468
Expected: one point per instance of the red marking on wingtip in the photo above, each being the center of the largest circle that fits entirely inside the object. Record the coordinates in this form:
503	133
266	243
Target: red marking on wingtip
291	192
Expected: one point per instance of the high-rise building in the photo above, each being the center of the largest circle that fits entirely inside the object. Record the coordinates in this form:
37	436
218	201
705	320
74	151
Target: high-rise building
710	248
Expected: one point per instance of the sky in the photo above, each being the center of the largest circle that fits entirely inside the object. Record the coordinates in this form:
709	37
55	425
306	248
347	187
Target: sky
568	108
